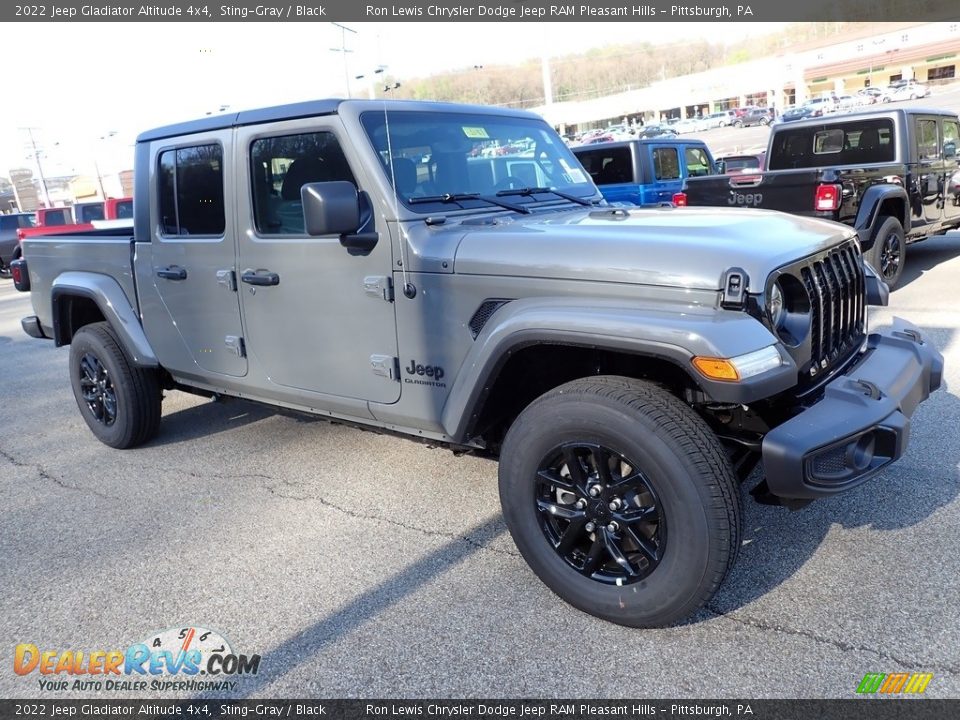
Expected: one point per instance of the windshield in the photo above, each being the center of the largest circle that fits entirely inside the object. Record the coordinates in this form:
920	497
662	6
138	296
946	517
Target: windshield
442	156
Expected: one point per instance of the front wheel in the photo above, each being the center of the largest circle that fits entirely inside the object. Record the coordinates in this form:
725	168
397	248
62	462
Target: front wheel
621	500
889	251
119	401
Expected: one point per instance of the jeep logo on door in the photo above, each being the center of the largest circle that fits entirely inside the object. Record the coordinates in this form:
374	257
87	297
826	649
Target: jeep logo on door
746	199
432	374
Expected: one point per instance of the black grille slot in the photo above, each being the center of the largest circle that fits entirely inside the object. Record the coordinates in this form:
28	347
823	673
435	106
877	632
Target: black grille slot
482	314
830	463
835	285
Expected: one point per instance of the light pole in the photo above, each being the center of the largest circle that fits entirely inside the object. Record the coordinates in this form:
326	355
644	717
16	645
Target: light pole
96	164
371	91
36	156
343	49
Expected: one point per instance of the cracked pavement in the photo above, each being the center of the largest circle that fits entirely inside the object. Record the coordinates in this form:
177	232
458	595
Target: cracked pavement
364	565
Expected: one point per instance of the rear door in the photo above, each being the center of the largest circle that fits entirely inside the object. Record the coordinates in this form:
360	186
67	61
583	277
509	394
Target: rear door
930	181
192	315
950	134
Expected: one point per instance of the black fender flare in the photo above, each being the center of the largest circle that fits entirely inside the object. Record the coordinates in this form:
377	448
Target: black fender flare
866	221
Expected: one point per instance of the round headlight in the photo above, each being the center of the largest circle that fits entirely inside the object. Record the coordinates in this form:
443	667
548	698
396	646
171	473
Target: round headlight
778	314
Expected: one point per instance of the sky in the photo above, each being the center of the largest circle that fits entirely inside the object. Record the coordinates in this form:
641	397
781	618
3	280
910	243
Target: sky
88	89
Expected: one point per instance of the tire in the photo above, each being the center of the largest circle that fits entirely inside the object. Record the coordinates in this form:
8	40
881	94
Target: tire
764	121
738	123
889	251
682	502
119	401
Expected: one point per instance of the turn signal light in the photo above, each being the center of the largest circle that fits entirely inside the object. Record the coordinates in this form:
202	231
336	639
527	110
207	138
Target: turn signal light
716	368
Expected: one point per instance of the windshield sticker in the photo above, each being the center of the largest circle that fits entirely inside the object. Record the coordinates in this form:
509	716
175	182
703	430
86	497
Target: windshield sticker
477	133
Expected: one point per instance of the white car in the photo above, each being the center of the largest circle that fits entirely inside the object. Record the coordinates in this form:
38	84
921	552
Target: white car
905	90
690	125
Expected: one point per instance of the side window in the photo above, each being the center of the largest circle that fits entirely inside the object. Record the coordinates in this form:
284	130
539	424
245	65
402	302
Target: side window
57	217
125	209
951	137
191	191
928	147
280	166
697	162
666	163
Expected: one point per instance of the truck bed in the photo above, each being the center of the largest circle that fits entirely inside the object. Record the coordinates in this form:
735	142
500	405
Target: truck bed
107	252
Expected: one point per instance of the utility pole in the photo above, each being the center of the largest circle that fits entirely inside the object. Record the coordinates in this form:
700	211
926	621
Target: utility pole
36	156
343	49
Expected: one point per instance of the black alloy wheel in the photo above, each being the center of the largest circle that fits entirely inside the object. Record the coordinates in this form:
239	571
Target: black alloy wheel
600	513
888	254
97	390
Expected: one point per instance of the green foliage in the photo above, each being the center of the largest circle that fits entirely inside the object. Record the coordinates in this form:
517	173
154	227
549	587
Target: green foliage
610	69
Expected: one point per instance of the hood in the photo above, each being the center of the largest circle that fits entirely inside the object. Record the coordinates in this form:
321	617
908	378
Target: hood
676	247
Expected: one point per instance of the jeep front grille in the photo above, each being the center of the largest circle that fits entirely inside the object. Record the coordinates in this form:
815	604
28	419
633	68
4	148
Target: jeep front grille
836	288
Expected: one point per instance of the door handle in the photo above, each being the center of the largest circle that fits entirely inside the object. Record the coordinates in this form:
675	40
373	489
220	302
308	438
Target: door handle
174	272
260	277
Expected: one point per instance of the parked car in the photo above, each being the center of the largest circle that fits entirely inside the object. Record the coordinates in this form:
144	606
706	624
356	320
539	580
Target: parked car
905	90
645	172
718	119
846	103
756	116
870	95
796	112
821	106
689	125
9	224
751	162
652	131
870	170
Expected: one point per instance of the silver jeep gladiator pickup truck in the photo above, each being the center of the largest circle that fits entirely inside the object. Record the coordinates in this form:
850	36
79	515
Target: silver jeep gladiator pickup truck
451	273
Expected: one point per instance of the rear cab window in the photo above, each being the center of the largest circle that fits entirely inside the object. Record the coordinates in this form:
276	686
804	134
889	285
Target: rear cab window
864	141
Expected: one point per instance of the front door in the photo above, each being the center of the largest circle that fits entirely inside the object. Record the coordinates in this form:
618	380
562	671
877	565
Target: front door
317	317
192	255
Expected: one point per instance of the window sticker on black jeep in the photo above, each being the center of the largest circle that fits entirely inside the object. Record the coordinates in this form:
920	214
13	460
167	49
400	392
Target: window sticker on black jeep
828	141
477	133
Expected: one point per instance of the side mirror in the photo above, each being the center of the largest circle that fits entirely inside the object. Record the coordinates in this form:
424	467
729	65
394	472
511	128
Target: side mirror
336	208
330	208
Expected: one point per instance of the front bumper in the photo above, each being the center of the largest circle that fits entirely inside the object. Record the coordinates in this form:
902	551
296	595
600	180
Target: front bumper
862	422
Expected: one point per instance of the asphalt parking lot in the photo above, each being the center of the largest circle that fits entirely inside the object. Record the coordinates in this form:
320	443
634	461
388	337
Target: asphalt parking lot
362	565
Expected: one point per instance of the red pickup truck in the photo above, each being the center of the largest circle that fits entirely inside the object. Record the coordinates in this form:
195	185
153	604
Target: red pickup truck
55	221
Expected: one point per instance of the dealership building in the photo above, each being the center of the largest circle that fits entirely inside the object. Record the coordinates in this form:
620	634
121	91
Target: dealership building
927	52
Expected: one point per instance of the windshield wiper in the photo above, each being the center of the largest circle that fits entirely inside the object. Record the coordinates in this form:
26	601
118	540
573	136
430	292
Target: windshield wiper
531	190
457	197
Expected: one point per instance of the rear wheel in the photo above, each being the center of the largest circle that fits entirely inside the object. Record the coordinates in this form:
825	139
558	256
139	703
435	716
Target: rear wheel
621	500
119	401
889	251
